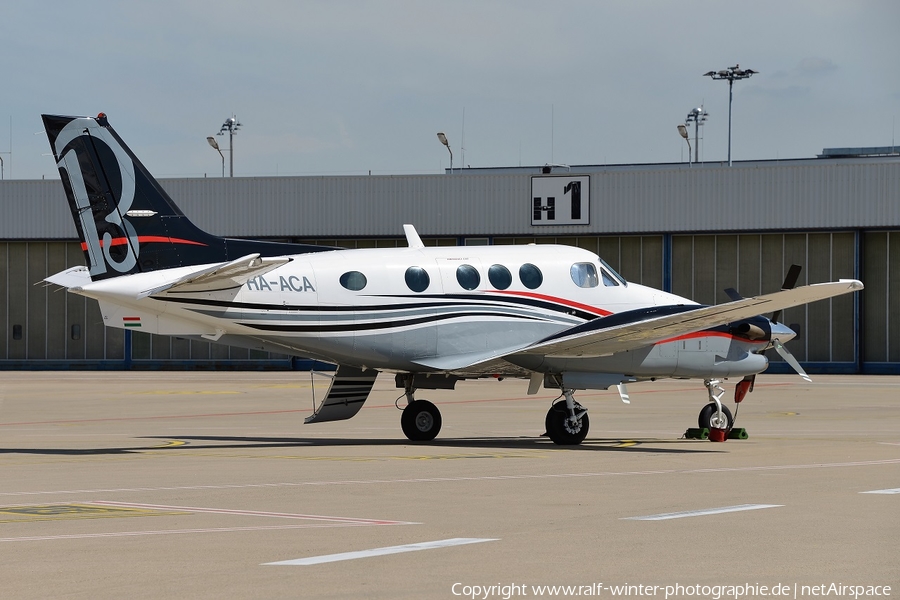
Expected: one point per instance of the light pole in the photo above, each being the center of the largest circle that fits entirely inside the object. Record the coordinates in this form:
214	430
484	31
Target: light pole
731	74
682	131
697	116
444	141
215	145
231	126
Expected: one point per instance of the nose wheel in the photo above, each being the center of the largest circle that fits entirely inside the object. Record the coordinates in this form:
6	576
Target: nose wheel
710	419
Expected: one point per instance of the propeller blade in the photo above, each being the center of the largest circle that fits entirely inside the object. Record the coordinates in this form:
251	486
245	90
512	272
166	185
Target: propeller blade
733	294
623	393
790	280
789	358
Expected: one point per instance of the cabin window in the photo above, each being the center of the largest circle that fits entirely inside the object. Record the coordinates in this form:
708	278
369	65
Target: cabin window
531	276
417	279
584	275
353	281
499	277
468	277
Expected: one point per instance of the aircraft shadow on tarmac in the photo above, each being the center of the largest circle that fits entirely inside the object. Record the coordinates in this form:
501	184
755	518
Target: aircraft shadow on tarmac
190	442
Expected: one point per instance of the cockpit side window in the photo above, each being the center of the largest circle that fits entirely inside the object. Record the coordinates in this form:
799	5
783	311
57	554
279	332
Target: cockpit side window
584	275
609	271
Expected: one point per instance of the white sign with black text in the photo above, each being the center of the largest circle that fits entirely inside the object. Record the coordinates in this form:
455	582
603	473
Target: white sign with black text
560	200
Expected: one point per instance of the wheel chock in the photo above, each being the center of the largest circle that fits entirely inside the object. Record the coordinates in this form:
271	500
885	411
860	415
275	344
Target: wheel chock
697	434
738	433
717	435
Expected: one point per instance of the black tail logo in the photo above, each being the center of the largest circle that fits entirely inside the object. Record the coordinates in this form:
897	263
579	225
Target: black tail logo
125	219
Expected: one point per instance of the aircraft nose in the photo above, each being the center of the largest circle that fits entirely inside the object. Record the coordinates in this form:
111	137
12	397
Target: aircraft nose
782	332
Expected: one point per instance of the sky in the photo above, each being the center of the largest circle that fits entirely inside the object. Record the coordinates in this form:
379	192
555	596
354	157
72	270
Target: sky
349	87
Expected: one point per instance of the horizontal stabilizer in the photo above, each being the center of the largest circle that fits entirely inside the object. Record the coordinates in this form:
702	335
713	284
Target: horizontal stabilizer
223	276
73	278
349	390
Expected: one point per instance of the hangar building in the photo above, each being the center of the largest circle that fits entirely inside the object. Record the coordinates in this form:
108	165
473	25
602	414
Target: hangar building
694	230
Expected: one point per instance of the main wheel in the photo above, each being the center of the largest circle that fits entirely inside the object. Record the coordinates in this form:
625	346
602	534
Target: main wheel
709	417
421	421
561	429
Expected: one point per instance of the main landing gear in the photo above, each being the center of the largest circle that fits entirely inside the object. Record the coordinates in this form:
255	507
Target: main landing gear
567	421
421	420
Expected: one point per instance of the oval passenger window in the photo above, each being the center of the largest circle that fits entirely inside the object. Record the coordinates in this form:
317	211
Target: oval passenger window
499	277
353	281
468	277
531	276
417	279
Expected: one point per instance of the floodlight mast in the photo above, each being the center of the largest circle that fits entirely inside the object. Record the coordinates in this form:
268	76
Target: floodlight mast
731	74
697	116
231	126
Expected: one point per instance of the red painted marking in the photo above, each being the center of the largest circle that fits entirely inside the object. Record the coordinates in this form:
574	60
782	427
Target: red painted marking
701	334
121	241
578	305
131	318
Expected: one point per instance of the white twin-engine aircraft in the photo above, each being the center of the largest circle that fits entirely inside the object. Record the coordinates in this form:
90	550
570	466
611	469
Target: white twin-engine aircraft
555	315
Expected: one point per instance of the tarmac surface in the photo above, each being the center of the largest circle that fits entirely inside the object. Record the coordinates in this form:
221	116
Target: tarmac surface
189	485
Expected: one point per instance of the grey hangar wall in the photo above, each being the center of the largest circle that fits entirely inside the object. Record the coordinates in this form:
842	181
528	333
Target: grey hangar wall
691	230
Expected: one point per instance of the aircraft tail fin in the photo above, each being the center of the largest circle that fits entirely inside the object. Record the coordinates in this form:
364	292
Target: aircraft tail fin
126	221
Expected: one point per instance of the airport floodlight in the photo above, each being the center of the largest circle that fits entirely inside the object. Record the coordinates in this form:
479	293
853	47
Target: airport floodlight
697	116
215	145
682	131
443	139
231	126
731	74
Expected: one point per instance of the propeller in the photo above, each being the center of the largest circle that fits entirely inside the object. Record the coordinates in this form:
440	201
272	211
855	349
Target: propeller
790	280
789	358
778	329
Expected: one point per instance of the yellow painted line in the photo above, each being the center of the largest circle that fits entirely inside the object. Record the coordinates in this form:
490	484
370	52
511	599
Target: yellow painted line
626	444
182	392
64	512
172	444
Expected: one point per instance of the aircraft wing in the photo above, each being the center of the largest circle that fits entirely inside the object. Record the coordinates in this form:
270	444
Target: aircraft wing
223	276
618	333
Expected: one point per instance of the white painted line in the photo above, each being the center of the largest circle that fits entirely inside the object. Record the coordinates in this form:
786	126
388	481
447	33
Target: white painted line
327	558
81	536
700	513
891	491
536	476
